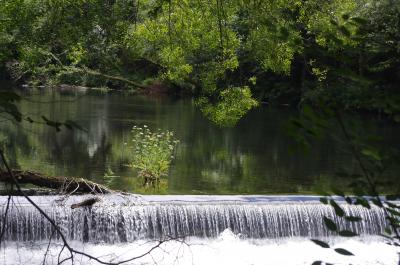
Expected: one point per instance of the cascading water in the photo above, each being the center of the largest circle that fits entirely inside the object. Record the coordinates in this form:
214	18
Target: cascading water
118	218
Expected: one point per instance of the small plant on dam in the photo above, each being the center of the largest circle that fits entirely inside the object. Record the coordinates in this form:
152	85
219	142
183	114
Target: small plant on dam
153	153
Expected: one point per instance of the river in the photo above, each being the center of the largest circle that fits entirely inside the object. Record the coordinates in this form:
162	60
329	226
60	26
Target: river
255	157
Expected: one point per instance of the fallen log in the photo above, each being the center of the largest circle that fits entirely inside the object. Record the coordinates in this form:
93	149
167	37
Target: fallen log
62	184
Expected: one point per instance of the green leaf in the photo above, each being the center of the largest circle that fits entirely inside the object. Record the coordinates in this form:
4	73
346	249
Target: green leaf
394	212
377	202
333	22
344	31
330	224
338	210
363	202
297	123
346	16
348	200
353	218
371	153
343	251
318	262
311	132
320	243
388	230
347	233
359	20
394	221
323	200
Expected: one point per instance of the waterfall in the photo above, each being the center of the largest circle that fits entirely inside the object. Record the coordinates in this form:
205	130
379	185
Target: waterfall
129	218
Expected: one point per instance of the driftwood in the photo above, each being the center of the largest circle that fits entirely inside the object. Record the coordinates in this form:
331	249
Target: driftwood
62	184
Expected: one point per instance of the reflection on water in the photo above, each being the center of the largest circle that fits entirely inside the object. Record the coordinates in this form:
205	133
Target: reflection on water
251	158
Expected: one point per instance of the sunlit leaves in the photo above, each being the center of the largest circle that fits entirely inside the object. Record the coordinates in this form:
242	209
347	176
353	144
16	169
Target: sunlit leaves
76	32
189	41
232	105
76	54
333	30
271	50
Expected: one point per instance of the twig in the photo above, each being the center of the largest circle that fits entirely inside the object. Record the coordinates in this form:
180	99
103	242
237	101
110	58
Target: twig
48	247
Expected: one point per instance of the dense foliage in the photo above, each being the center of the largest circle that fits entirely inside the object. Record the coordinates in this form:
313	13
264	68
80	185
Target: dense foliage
285	51
232	54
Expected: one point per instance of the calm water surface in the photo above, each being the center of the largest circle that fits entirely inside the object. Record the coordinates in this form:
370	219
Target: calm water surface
251	158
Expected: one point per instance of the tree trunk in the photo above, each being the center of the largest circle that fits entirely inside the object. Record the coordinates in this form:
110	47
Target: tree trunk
62	184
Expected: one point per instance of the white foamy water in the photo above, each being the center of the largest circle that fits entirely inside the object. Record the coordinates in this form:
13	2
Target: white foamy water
226	249
219	230
120	219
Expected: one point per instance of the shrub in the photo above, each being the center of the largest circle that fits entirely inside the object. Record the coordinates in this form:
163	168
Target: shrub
153	153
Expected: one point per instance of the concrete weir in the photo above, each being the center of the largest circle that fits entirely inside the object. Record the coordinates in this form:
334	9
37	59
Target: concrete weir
126	218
